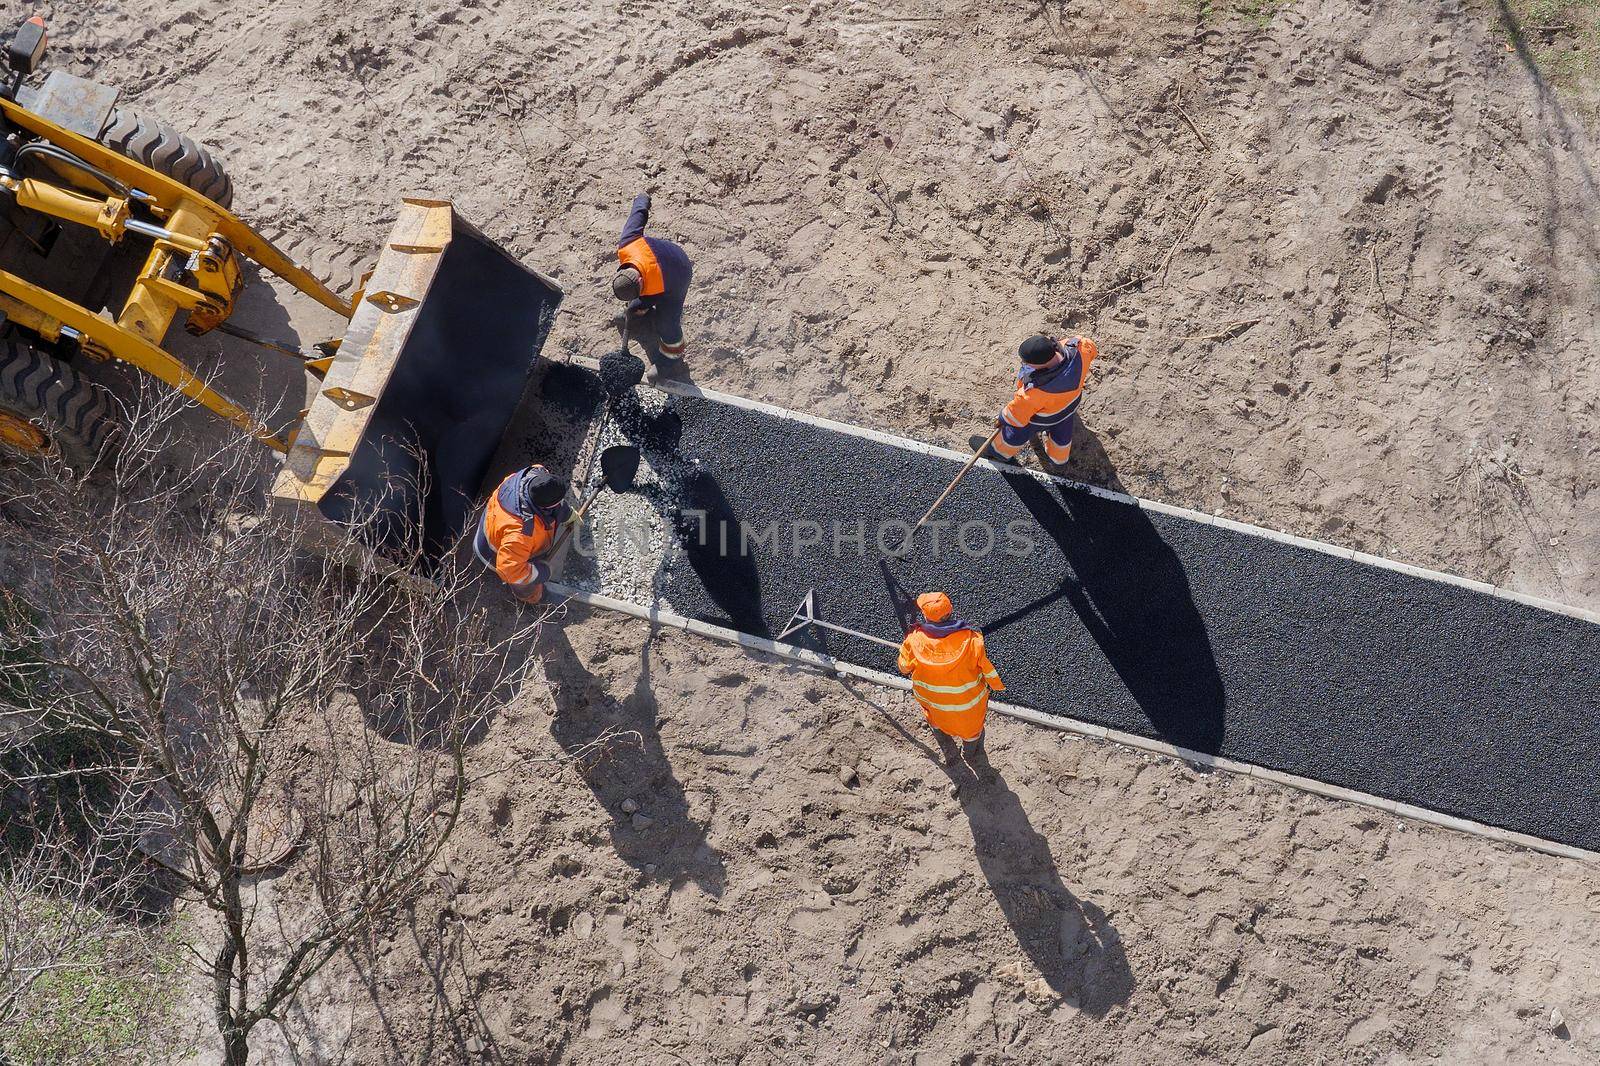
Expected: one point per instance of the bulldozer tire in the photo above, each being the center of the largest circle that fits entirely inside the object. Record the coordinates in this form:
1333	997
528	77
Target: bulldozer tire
47	407
163	149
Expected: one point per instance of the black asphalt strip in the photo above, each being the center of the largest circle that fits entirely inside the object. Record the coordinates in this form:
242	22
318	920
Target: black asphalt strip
1200	636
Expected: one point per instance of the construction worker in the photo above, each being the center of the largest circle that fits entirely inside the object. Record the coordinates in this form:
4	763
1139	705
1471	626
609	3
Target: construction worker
1049	386
951	676
519	527
653	280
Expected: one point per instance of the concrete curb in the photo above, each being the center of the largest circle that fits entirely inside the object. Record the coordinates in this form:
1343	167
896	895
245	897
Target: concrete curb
683	389
831	665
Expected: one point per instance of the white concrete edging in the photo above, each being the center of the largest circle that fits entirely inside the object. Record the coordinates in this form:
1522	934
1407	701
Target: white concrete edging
829	664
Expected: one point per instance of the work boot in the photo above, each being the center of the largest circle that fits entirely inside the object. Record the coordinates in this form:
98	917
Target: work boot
1050	462
989	453
949	750
994	456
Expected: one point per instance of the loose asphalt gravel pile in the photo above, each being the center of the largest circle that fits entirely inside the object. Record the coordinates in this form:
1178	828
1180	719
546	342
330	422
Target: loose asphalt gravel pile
1207	638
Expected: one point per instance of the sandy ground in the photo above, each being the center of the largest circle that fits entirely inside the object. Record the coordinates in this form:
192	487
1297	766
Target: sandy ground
1368	301
1340	257
764	866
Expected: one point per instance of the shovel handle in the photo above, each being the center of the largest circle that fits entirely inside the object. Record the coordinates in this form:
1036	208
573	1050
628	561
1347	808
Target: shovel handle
572	523
973	461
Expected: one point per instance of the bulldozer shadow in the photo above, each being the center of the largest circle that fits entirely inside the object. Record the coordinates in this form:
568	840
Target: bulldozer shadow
616	747
1072	943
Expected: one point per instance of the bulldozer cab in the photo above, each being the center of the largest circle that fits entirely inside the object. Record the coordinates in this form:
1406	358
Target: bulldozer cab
399	438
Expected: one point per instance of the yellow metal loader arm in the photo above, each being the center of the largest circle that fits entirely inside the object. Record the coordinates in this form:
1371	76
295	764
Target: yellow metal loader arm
133	349
168	193
195	233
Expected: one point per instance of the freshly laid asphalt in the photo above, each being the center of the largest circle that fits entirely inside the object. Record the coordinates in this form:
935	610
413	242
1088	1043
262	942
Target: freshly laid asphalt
1210	639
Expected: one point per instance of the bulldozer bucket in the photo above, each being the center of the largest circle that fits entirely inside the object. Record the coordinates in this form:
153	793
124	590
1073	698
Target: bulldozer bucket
398	439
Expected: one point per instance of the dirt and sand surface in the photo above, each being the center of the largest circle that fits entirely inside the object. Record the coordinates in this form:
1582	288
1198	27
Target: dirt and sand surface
1340	258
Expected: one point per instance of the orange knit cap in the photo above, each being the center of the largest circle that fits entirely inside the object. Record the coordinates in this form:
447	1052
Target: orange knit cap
935	606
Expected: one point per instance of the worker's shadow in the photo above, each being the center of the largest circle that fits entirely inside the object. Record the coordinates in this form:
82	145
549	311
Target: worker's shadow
642	331
702	520
1131	592
1071	941
616	748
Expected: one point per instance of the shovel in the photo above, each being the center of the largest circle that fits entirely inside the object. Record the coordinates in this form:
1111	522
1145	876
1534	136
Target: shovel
620	371
619	465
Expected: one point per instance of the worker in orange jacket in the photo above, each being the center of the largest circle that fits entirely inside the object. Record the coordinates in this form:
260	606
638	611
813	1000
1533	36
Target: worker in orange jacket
1049	386
652	278
951	676
519	527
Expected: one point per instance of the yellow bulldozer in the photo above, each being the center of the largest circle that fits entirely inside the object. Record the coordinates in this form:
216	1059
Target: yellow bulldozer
114	227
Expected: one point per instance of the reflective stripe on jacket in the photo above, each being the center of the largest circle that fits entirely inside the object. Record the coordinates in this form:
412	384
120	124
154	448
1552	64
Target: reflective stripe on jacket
1045	397
516	540
951	676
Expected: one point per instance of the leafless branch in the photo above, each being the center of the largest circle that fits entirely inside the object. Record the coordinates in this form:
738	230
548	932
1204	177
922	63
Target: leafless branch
270	707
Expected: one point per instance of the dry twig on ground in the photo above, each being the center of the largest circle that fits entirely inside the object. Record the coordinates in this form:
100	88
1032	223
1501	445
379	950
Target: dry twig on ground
1205	142
1388	312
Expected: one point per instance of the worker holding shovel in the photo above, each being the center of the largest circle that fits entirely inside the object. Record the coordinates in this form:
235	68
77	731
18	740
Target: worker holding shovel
519	528
652	278
1049	386
528	521
951	676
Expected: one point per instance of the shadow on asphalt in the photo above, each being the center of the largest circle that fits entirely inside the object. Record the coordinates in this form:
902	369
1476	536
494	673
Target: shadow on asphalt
660	839
1132	594
711	536
702	520
1071	941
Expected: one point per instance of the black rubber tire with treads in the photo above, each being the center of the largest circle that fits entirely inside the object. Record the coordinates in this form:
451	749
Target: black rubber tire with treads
73	411
161	148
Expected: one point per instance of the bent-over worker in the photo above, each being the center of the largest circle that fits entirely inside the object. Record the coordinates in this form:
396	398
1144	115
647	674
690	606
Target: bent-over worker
653	280
1049	386
951	676
519	527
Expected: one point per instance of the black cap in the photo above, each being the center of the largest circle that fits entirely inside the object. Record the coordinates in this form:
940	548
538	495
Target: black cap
626	284
1038	350
540	488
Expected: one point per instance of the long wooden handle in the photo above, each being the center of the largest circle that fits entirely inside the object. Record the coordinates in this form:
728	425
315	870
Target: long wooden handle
577	516
952	487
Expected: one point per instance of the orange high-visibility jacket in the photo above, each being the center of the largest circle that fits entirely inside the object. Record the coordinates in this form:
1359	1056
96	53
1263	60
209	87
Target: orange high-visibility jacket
951	676
1051	395
515	541
638	254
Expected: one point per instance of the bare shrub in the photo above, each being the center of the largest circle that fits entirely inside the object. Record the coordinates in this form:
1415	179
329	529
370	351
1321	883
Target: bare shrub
271	708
